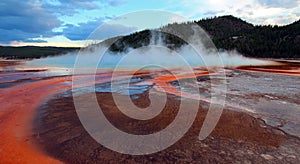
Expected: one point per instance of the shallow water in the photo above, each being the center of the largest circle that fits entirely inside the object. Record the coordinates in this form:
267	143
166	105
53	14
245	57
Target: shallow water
272	97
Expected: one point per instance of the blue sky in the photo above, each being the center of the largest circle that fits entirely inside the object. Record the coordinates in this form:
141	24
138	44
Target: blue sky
70	22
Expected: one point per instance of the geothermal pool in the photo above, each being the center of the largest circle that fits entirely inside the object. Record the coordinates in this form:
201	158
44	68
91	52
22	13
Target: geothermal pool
261	117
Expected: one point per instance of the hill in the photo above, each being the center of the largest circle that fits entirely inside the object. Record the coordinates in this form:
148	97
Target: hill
29	52
231	33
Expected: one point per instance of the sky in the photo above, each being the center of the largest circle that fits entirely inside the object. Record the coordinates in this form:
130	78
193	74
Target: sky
69	23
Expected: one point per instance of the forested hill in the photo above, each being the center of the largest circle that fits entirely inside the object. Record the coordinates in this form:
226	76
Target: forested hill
29	52
231	33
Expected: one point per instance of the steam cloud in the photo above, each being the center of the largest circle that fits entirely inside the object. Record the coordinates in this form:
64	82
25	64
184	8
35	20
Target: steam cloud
155	53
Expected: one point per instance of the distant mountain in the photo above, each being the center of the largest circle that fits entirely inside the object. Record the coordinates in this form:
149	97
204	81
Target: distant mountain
29	52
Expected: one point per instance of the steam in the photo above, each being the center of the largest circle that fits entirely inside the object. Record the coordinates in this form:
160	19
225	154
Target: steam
155	53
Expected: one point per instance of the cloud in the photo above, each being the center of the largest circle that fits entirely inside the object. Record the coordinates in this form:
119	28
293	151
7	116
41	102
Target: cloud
57	41
255	11
14	35
84	4
24	20
279	3
36	41
117	2
91	4
212	13
21	20
83	30
70	7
